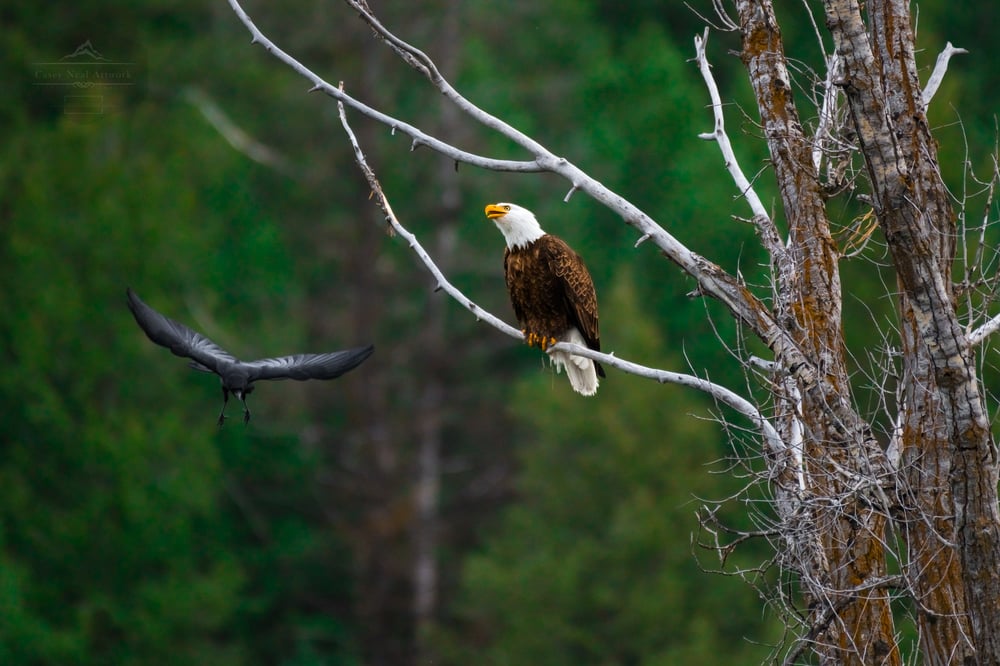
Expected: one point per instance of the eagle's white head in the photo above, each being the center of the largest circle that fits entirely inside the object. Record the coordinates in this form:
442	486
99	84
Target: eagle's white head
518	225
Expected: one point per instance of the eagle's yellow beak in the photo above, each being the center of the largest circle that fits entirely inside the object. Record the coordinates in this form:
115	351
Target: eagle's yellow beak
496	210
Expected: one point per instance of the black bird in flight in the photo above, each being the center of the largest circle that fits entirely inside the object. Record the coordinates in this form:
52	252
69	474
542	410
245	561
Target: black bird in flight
237	376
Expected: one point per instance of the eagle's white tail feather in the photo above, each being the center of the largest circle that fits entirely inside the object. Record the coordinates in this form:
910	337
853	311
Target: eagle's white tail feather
581	371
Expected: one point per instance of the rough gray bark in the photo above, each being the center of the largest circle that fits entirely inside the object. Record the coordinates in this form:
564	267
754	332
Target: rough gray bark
842	544
949	453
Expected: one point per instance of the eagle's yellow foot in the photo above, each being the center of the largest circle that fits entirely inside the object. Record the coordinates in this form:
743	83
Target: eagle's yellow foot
535	340
545	342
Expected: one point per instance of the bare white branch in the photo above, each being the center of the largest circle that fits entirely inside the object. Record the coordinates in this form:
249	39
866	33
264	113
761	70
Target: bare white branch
977	336
766	229
390	217
718	134
418	136
940	68
717	391
421	62
762	364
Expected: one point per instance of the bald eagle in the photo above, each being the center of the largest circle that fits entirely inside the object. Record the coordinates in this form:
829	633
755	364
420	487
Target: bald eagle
551	291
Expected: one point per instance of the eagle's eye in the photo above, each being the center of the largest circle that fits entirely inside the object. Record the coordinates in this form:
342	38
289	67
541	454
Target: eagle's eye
506	208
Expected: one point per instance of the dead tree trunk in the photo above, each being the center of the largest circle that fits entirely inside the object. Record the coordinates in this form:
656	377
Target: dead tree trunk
948	453
945	488
841	541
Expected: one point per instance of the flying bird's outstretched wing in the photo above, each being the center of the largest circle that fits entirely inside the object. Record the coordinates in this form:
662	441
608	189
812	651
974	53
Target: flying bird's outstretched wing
177	337
309	366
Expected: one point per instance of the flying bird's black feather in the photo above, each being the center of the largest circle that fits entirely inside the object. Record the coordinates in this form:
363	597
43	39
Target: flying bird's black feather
238	376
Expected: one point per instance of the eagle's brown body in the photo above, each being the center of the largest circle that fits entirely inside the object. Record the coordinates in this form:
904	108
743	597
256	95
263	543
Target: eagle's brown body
551	292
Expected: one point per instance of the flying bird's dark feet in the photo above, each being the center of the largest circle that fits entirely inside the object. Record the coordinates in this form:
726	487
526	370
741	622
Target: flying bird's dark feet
222	419
246	417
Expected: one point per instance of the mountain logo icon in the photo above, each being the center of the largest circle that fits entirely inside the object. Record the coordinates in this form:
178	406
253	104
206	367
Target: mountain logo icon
85	81
86	50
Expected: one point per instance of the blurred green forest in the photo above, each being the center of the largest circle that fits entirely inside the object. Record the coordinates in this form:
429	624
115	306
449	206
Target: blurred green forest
557	529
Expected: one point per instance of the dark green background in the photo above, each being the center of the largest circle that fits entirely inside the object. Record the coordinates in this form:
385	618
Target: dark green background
133	531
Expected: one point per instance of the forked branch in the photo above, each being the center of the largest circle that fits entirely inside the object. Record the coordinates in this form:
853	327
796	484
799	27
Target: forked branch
940	69
712	279
718	392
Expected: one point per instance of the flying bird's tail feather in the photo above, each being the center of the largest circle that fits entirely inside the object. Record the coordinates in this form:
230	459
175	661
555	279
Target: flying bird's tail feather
581	371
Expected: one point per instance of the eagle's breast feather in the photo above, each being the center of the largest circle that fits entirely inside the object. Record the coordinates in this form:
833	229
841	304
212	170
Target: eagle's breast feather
551	290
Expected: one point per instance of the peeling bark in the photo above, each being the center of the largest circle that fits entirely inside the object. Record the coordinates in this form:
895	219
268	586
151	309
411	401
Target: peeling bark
850	535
